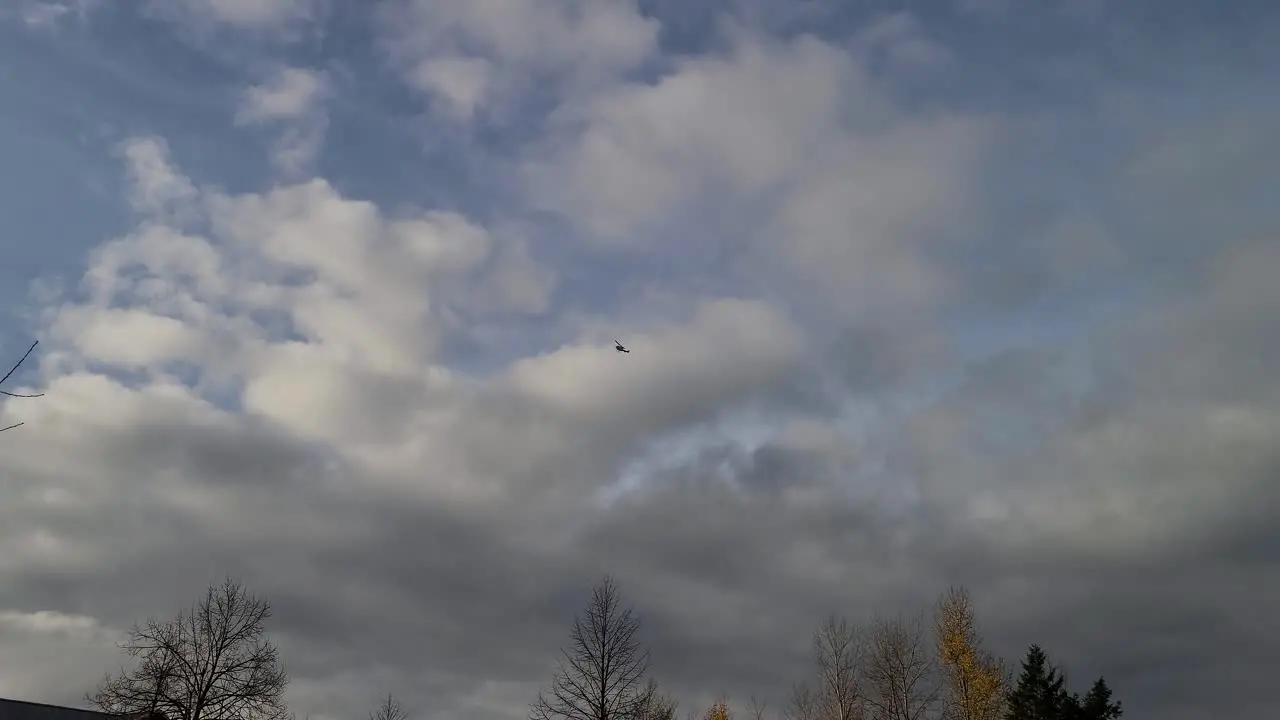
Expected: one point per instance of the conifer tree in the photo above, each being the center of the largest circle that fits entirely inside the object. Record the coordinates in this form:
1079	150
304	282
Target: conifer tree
1039	693
1097	704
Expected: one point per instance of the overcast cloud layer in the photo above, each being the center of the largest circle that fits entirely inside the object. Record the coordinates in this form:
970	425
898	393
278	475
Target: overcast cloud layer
918	293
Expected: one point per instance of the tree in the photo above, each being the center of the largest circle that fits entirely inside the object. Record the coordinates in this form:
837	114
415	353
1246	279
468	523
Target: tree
839	650
209	663
1097	705
655	705
599	676
899	671
1040	693
975	681
389	710
12	370
719	710
803	704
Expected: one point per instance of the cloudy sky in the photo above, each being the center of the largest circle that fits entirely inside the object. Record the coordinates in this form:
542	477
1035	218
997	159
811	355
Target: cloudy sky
919	293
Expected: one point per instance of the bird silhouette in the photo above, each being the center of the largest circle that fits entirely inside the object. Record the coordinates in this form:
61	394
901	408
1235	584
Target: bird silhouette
619	347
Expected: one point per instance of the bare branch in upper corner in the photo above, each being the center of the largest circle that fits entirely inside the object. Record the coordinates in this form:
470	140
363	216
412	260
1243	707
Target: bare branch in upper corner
7	375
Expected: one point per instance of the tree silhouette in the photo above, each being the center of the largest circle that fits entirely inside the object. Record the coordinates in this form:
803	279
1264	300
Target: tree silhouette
1097	705
600	674
209	663
1040	693
389	710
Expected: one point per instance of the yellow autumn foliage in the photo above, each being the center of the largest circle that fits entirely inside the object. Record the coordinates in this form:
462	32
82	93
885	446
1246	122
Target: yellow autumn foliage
719	711
975	679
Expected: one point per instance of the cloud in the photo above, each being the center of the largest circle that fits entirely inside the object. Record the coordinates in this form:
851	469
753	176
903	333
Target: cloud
154	185
31	641
242	14
51	15
885	338
289	94
480	55
294	98
461	83
831	177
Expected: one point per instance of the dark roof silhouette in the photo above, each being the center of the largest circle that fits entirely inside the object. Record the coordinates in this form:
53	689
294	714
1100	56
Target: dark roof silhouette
23	710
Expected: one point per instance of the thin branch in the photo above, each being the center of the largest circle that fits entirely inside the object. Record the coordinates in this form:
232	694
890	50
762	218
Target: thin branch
600	674
17	365
210	662
9	374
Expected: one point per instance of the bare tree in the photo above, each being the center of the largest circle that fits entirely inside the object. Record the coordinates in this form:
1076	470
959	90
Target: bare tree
654	704
599	676
757	708
210	663
12	370
899	671
803	704
839	650
975	680
389	710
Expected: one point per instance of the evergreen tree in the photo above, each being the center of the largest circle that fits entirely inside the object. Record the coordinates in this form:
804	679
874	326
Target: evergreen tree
1071	707
1097	705
1040	693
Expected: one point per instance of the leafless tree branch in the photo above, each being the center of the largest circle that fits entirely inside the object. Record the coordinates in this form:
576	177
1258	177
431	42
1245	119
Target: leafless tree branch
389	710
655	705
901	677
599	675
802	705
839	650
7	375
209	663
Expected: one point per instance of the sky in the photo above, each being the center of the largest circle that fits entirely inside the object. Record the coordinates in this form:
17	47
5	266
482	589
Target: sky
919	294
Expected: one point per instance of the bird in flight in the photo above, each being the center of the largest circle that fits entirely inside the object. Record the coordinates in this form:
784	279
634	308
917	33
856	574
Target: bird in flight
619	347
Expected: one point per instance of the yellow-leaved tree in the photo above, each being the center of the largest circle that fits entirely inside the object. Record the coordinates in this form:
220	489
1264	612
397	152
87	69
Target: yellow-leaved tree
719	711
976	681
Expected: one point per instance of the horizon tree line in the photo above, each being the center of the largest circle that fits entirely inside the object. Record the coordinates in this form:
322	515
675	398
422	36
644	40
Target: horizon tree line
214	662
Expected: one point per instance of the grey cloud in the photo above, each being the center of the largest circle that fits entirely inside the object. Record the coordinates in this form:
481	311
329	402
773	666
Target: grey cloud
441	548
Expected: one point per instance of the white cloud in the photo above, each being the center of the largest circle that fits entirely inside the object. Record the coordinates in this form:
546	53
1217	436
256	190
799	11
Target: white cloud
130	338
461	82
48	622
674	375
476	53
155	186
748	120
287	94
294	98
329	318
843	184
